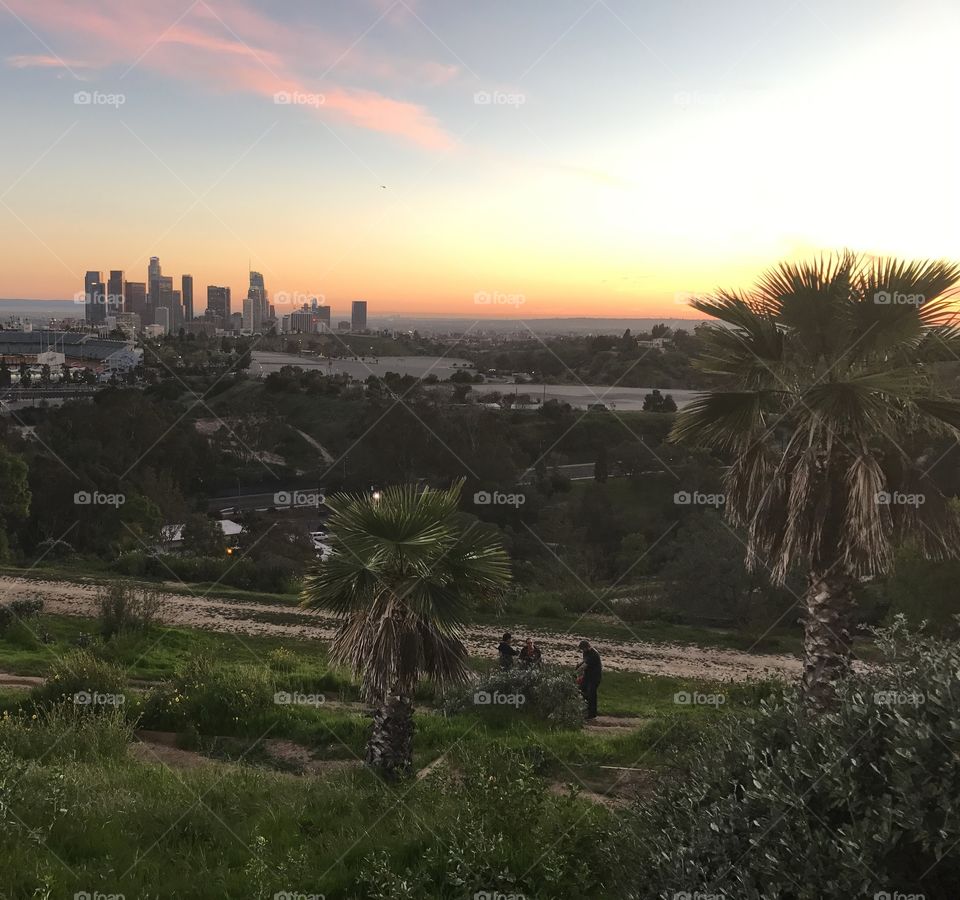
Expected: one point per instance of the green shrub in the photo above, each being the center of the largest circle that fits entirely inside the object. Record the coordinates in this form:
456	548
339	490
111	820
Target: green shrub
19	610
549	694
84	680
212	698
281	660
868	791
127	609
509	837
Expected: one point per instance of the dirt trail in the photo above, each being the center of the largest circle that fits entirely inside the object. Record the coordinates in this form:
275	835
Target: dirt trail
252	618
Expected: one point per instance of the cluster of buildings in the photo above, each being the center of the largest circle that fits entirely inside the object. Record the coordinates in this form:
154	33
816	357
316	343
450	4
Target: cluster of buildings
155	307
60	351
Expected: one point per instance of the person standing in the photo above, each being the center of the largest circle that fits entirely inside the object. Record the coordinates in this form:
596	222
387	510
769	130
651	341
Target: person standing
506	651
592	671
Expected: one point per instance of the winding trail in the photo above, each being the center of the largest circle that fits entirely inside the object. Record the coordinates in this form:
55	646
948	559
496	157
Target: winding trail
243	617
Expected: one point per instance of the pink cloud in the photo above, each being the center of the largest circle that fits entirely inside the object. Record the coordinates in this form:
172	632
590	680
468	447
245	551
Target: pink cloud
42	62
230	46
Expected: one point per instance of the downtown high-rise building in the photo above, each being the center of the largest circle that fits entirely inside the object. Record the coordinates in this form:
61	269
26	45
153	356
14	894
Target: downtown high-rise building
94	294
257	310
153	290
218	302
135	296
187	297
115	293
358	315
323	318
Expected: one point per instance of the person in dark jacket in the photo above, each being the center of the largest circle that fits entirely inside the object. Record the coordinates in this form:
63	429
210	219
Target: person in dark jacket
591	670
506	651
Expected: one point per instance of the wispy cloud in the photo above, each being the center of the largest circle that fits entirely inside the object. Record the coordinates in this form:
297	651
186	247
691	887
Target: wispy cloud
230	46
43	61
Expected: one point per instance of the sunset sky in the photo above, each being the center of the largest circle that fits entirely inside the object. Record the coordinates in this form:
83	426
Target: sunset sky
629	152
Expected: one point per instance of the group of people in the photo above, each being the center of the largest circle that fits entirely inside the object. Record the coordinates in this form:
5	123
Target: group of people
528	655
588	672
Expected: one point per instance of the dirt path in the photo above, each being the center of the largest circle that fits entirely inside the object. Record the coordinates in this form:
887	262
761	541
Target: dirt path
245	617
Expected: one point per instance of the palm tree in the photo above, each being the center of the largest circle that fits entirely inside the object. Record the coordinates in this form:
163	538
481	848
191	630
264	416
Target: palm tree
405	567
827	422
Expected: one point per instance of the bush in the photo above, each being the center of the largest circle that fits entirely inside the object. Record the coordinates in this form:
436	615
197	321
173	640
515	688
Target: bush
17	611
868	790
281	660
510	838
127	609
212	699
548	694
81	679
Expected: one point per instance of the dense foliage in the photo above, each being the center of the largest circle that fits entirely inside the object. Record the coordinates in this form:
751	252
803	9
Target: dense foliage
867	791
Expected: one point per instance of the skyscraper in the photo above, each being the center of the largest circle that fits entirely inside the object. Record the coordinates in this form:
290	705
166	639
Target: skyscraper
358	315
94	293
259	309
135	293
187	297
218	301
153	289
115	296
323	318
169	300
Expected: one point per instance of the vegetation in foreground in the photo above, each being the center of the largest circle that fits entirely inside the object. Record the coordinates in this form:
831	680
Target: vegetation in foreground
878	777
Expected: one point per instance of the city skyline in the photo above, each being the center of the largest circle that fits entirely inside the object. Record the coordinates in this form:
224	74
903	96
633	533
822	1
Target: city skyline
607	157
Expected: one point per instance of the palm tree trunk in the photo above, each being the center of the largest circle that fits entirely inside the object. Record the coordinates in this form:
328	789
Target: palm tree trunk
390	748
827	638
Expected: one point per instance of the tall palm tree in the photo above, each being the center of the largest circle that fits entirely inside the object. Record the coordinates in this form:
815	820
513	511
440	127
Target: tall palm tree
405	567
827	422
